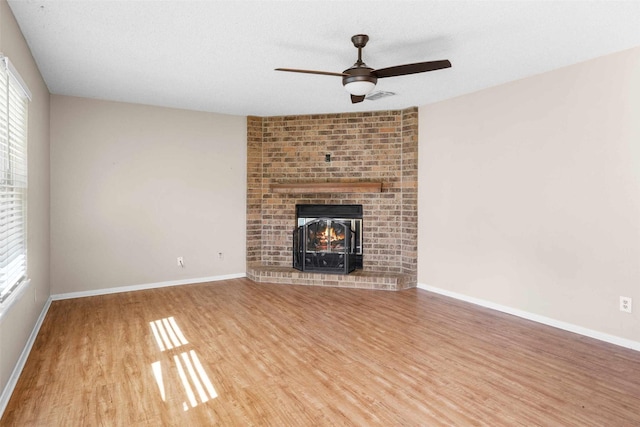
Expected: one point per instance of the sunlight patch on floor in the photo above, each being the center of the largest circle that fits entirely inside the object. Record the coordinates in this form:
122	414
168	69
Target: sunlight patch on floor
157	373
167	333
190	370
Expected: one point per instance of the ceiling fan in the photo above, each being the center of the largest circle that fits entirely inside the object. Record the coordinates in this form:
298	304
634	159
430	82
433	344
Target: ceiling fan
360	79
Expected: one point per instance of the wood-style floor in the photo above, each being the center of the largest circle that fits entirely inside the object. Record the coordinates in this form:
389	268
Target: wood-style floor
238	353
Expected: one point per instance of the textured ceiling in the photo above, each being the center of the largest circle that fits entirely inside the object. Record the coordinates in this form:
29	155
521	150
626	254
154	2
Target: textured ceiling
220	56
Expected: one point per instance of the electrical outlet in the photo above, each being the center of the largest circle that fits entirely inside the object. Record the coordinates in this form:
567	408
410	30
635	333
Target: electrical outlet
180	262
625	304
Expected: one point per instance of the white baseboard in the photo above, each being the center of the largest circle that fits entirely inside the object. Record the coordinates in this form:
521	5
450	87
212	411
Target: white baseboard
22	360
144	286
612	339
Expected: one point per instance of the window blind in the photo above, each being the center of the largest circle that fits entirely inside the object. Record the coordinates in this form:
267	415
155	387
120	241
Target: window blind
14	98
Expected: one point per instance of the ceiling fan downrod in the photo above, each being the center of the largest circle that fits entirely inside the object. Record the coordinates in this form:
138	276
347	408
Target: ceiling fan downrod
360	41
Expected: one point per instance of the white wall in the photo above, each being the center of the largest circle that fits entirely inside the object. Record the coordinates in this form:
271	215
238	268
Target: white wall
17	323
529	195
134	187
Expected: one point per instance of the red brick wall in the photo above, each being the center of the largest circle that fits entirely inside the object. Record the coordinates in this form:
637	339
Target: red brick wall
379	146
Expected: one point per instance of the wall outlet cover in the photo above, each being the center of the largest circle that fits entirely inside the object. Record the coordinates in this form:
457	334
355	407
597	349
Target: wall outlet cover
625	304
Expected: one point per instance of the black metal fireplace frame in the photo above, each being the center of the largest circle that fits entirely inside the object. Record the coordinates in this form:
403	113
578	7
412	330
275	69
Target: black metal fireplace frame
342	262
330	259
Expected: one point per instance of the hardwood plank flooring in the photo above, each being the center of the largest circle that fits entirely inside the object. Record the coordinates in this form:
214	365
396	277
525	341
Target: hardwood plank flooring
243	353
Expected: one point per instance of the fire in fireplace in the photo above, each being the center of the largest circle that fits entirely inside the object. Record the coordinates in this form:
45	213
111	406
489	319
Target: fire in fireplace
328	238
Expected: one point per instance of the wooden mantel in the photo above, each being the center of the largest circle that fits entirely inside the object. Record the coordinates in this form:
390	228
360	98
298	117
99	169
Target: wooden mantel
326	187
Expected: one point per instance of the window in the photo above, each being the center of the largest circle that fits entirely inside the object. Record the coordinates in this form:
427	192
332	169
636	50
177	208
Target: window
14	99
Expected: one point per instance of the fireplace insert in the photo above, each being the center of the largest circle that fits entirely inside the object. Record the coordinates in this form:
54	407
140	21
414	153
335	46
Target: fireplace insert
328	238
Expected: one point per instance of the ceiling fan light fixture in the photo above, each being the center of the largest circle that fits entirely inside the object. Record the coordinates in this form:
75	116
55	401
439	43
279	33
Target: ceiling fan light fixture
359	80
359	88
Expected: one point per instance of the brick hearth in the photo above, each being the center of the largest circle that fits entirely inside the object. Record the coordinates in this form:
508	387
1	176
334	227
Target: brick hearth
362	279
370	147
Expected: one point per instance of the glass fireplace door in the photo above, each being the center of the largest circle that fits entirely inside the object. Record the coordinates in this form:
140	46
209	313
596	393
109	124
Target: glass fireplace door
324	244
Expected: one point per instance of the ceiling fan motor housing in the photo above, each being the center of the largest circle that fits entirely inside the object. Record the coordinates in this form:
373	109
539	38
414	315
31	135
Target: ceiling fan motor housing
357	76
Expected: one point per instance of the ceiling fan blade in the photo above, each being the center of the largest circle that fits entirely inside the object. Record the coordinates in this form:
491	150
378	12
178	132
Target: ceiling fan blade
419	67
357	98
324	73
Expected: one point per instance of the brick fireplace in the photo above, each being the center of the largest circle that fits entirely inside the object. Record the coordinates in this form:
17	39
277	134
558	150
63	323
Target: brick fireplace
368	159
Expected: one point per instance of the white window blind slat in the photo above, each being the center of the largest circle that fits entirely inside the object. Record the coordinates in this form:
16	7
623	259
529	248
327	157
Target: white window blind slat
14	97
